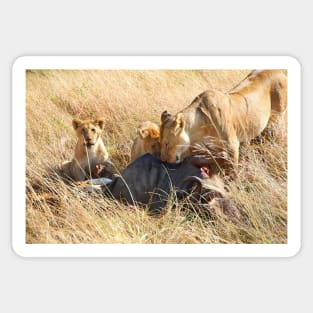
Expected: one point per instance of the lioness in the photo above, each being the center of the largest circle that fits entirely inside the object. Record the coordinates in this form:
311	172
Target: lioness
233	117
90	151
147	141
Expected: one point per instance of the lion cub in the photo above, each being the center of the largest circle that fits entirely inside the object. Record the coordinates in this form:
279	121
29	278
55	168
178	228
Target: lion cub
147	140
90	151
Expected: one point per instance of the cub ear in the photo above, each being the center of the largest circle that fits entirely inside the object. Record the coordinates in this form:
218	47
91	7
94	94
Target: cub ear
76	123
179	123
164	116
152	131
100	123
143	132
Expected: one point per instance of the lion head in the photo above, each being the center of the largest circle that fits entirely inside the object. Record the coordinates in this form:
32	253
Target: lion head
88	131
150	134
174	140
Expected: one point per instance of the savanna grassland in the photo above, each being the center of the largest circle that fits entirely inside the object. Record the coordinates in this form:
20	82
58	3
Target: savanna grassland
59	212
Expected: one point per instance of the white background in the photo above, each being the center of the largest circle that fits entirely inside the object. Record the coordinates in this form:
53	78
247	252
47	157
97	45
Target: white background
160	27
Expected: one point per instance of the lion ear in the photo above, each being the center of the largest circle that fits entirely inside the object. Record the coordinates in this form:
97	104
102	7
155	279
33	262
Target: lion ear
100	122
143	132
76	123
164	116
152	131
179	123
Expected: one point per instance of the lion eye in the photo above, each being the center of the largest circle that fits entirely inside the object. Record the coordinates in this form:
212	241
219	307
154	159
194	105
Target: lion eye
93	129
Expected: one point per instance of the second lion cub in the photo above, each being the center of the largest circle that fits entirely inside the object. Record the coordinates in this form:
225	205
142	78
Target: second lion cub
147	141
90	151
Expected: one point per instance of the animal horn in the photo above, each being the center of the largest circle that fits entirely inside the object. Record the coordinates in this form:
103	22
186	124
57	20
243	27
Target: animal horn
197	181
200	161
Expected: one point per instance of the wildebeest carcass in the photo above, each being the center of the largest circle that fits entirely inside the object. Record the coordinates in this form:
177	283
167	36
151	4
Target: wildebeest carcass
150	181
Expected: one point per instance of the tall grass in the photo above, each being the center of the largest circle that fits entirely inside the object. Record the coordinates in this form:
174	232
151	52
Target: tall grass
59	212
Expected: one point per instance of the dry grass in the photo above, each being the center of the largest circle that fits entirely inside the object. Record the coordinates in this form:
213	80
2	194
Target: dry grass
58	212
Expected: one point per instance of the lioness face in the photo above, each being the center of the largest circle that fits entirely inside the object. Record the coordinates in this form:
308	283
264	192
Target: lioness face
174	140
88	131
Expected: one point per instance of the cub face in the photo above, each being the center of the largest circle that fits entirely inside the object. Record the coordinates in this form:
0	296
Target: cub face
88	131
150	134
174	140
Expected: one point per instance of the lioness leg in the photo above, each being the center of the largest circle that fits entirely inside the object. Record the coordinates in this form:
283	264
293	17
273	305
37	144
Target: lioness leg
277	126
229	137
233	147
235	152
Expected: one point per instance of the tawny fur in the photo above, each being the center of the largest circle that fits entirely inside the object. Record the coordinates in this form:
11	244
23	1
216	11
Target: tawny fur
90	150
147	141
233	117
